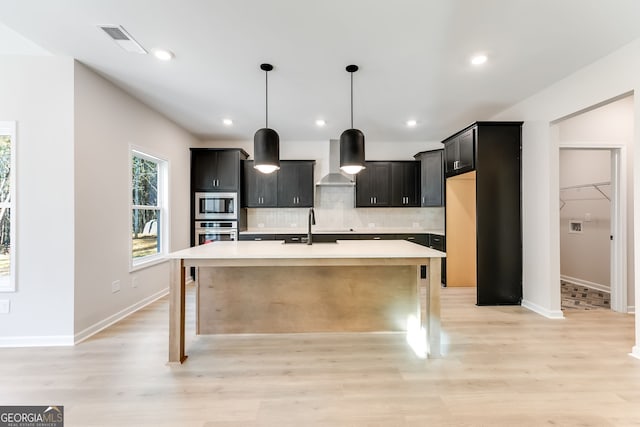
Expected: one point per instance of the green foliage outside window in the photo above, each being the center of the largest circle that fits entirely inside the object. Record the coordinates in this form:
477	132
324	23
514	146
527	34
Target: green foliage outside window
146	209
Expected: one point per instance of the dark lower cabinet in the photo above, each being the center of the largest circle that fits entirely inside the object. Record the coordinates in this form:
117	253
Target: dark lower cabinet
256	237
420	239
438	243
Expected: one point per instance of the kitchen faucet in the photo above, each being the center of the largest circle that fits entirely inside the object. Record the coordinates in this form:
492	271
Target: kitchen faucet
312	221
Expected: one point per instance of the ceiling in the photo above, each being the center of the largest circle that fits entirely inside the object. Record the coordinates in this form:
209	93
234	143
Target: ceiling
413	57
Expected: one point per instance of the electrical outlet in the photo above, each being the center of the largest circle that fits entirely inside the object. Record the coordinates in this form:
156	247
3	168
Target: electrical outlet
115	286
5	306
134	282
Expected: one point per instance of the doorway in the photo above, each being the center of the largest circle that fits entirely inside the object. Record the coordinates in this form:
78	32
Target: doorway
607	128
586	228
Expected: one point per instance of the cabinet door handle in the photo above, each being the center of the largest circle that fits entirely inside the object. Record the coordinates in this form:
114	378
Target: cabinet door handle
423	200
371	200
295	239
456	164
411	238
375	200
258	238
376	238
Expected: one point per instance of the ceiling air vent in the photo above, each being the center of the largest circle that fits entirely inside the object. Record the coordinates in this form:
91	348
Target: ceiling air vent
124	39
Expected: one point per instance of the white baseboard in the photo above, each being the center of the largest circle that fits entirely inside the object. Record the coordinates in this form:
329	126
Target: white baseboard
35	341
557	314
585	283
635	351
631	309
103	324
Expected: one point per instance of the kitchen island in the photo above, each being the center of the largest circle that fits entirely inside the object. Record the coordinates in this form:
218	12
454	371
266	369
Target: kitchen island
271	287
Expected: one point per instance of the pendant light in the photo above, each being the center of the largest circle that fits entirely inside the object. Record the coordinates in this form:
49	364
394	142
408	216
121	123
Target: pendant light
352	140
266	142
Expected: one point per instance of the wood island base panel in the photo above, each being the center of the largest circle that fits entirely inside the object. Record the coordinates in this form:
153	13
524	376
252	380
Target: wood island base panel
271	287
305	299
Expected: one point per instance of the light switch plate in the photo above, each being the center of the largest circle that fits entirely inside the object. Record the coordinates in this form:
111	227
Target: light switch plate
5	306
115	286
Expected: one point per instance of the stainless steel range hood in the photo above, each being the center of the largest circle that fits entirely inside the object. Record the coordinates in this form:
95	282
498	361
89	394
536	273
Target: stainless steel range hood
335	177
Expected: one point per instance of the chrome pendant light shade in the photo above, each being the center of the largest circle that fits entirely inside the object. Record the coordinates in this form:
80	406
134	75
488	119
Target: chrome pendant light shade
266	142
352	140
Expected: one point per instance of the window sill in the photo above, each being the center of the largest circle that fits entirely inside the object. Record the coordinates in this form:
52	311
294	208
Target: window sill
159	259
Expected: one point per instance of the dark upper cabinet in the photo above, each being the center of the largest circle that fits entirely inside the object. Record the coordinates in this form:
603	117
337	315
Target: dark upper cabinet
373	185
216	169
388	184
259	190
295	184
459	152
431	178
405	184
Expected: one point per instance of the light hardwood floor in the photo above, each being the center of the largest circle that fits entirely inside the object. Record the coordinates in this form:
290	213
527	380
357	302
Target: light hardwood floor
502	366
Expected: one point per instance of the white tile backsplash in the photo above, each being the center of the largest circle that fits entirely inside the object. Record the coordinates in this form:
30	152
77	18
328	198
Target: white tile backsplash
335	209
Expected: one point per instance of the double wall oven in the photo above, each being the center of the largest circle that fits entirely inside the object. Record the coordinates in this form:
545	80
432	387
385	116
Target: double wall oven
216	217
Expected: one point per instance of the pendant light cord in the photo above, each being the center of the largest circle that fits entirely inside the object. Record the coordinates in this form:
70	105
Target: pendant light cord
351	100
266	99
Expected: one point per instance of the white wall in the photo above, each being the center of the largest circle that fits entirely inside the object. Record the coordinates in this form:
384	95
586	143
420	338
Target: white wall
37	92
108	122
585	256
608	78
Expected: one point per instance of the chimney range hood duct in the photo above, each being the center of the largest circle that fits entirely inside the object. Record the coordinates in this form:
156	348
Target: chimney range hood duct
335	177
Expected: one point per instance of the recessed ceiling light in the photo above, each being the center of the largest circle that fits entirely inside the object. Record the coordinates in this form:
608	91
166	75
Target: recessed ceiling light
479	59
163	54
227	122
412	123
320	123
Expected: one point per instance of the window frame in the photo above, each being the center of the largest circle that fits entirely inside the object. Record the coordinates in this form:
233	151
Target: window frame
9	128
161	207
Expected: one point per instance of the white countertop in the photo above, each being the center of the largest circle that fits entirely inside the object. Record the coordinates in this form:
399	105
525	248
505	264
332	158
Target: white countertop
275	249
364	230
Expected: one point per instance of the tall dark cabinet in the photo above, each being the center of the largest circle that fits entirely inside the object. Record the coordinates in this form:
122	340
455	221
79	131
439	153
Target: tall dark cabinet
493	176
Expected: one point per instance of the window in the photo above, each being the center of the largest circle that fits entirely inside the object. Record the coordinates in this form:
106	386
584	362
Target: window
148	209
7	206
